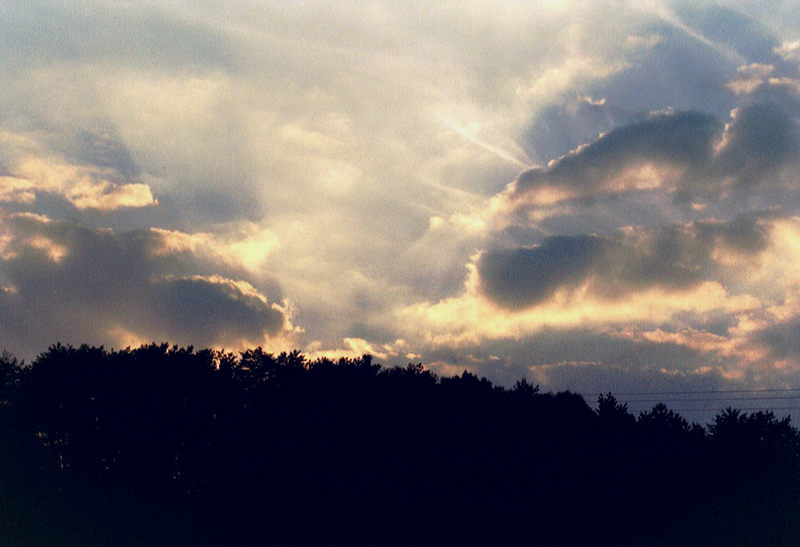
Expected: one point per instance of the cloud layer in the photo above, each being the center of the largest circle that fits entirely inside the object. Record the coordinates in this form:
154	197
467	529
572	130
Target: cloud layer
589	195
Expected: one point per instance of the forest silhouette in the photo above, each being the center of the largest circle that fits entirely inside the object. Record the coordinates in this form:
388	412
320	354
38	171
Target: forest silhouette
162	445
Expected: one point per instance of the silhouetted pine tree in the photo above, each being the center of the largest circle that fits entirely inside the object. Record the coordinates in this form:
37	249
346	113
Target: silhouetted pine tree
161	445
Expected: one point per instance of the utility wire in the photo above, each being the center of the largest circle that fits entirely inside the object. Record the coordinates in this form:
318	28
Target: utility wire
712	399
747	409
699	392
676	399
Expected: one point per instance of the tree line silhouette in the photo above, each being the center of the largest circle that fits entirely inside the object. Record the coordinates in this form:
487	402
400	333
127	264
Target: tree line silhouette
161	445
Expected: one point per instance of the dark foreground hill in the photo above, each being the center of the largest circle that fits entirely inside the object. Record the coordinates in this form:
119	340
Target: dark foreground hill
167	446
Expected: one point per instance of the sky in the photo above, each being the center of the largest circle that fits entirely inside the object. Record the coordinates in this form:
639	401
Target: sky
593	196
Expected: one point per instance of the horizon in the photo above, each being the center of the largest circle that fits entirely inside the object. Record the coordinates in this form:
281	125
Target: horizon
594	198
697	407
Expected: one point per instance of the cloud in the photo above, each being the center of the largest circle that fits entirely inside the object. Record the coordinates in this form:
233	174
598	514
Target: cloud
643	257
215	309
692	289
708	300
789	51
561	128
65	281
761	139
780	340
97	177
671	258
689	156
750	77
673	66
521	277
650	153
356	347
159	160
593	361
240	245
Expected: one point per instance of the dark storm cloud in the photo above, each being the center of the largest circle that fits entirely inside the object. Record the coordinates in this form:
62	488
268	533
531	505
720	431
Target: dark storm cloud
763	137
744	234
670	258
517	278
683	139
781	339
203	309
64	281
712	162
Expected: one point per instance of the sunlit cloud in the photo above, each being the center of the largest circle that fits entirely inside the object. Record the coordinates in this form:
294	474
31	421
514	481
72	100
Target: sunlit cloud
789	51
730	281
471	319
352	348
751	77
34	170
582	193
243	244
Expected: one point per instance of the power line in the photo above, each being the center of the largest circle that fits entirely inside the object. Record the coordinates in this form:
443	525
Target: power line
676	400
747	409
712	399
700	392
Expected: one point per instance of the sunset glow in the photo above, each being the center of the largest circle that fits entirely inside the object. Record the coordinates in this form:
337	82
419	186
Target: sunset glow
533	190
